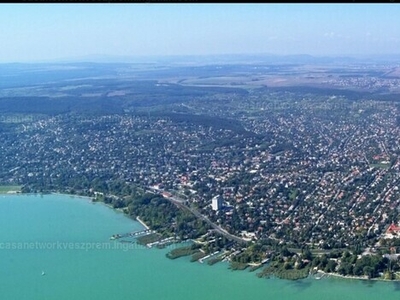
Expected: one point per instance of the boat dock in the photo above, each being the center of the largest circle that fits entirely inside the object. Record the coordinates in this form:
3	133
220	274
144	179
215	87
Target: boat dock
201	260
319	274
143	223
161	242
132	234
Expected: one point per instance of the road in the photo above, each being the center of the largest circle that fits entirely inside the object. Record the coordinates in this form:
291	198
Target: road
181	203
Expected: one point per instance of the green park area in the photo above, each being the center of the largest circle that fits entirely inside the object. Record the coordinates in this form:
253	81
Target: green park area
8	189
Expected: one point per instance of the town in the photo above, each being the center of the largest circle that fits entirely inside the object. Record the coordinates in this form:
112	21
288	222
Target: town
269	166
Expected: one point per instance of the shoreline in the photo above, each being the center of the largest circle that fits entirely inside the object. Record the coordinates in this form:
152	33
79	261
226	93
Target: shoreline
137	219
143	223
91	199
69	195
352	277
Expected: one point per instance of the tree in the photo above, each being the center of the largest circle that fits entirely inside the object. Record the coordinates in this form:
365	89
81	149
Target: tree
369	271
306	254
345	269
330	266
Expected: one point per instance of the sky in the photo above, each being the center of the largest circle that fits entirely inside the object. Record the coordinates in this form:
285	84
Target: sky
39	32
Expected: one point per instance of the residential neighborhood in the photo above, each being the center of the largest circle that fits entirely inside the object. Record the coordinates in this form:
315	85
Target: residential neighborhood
322	171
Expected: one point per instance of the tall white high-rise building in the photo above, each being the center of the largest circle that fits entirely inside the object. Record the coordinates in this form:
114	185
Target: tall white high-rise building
216	203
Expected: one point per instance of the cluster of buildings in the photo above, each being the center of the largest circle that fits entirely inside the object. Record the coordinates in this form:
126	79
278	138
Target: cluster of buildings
370	83
309	169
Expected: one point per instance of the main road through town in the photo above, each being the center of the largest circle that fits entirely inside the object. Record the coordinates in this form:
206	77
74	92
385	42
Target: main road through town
181	203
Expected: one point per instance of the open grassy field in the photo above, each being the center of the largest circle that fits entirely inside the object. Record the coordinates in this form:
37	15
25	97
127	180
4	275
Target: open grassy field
380	165
4	189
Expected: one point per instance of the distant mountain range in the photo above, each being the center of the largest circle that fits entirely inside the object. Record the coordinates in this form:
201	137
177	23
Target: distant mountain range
232	58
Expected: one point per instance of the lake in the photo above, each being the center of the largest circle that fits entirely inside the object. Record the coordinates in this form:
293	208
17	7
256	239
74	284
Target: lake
67	239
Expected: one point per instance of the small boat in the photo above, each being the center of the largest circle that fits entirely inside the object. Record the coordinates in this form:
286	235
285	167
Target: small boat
43	273
115	236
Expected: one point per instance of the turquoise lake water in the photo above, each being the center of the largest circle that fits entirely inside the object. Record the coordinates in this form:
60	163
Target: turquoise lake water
68	239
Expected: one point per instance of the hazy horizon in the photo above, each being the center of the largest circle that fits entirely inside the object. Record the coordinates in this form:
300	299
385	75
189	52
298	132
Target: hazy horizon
52	32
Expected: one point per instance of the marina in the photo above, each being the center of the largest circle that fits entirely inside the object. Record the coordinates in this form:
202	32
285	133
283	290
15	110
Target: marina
134	234
161	242
201	260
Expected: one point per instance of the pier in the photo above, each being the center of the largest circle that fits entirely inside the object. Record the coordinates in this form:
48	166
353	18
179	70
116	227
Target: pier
161	242
132	234
201	260
143	223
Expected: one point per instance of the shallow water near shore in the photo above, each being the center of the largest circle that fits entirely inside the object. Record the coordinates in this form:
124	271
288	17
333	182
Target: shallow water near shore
67	238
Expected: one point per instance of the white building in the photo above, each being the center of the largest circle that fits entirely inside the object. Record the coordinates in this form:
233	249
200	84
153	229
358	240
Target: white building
217	202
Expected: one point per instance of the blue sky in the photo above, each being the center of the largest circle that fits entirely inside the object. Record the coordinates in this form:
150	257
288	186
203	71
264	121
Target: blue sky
34	32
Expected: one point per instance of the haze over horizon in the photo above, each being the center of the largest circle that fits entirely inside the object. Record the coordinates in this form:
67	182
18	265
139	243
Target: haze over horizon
49	32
